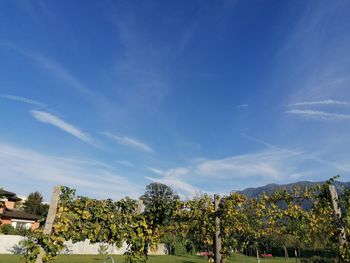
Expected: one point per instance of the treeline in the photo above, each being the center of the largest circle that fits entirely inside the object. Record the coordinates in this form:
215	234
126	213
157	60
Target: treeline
257	226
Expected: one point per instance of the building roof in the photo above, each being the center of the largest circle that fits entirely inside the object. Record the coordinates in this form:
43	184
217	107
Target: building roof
19	214
6	193
9	195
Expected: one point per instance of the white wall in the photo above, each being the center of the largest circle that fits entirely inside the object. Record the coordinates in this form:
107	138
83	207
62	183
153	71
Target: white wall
10	243
85	247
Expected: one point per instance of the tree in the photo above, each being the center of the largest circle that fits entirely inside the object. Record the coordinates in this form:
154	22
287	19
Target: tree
34	205
160	201
196	222
106	221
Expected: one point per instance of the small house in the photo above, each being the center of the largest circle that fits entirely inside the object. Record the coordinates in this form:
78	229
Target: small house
15	217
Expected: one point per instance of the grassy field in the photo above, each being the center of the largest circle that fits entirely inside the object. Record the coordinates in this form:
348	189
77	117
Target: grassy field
152	259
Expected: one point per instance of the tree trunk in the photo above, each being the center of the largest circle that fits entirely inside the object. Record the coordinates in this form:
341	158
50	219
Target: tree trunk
337	215
257	255
285	253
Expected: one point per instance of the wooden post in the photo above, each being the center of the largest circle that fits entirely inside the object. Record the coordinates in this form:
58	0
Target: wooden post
337	214
217	238
50	217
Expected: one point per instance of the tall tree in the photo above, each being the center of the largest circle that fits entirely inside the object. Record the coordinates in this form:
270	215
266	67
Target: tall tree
34	204
160	202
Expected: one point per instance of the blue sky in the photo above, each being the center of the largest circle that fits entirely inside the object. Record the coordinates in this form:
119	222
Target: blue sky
205	96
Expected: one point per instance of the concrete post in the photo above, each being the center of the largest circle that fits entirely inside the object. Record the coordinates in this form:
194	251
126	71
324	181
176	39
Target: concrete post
50	218
217	238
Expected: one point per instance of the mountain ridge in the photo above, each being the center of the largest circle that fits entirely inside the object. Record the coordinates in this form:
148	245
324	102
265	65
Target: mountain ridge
253	192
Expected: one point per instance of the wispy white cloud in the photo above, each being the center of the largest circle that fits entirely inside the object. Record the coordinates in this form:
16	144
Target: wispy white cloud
144	66
316	67
266	164
48	118
125	163
184	189
176	172
22	99
154	170
43	171
71	81
189	32
303	155
274	147
321	102
272	164
320	114
242	106
218	14
177	179
66	76
54	67
128	141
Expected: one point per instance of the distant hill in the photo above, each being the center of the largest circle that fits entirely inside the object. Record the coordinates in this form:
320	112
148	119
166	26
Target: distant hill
272	188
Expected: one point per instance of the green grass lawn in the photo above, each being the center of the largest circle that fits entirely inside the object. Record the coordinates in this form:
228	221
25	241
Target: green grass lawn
152	259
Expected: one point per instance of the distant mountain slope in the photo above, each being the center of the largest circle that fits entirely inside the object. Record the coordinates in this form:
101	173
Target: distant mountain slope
272	188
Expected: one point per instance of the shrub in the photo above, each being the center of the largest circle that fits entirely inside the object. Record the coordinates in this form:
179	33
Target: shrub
178	247
318	259
7	229
22	231
103	249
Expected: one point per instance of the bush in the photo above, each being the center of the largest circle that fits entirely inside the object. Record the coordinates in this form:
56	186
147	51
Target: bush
103	249
7	230
22	232
179	247
318	259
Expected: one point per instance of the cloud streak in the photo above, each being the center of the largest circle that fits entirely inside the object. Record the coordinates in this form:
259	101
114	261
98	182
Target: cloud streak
19	166
128	141
48	118
264	164
272	164
175	178
155	170
319	114
306	156
186	189
54	67
23	99
125	163
322	102
63	74
242	106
